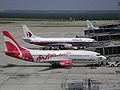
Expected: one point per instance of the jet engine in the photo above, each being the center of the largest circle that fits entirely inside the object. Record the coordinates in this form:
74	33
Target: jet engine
65	63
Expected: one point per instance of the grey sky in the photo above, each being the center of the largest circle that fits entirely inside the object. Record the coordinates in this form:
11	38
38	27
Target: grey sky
59	4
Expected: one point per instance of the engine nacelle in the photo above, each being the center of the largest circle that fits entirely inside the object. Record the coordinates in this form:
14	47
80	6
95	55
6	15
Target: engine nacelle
65	63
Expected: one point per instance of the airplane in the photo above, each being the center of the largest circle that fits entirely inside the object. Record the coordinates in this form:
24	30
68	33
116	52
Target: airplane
66	42
61	58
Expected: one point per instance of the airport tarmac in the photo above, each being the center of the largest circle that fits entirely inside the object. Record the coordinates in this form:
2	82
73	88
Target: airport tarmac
20	75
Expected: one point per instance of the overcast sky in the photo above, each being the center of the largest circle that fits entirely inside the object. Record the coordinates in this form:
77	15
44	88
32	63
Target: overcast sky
59	4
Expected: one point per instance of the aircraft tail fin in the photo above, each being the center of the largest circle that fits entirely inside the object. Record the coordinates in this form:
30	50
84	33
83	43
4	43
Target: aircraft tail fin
12	48
10	43
27	32
89	25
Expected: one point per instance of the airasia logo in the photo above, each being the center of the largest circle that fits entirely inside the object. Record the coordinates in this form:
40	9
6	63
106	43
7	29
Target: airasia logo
43	57
28	34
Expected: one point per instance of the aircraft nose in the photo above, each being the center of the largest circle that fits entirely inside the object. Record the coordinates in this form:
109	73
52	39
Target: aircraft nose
105	61
103	57
94	40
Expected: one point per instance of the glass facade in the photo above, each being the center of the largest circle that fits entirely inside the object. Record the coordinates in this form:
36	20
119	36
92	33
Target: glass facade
107	37
102	30
108	50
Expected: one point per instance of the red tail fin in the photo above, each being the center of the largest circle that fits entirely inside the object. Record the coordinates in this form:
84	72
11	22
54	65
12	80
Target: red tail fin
11	44
14	49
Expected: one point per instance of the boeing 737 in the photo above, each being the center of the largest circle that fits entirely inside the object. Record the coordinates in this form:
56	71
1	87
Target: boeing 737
63	58
66	42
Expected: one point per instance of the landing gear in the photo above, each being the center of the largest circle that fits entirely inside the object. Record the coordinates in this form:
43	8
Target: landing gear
57	65
102	63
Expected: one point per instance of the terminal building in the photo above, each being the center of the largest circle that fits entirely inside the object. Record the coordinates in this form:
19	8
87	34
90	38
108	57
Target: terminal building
110	26
103	36
108	50
93	32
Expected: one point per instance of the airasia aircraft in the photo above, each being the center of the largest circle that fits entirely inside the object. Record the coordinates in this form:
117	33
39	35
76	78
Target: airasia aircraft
66	42
63	58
